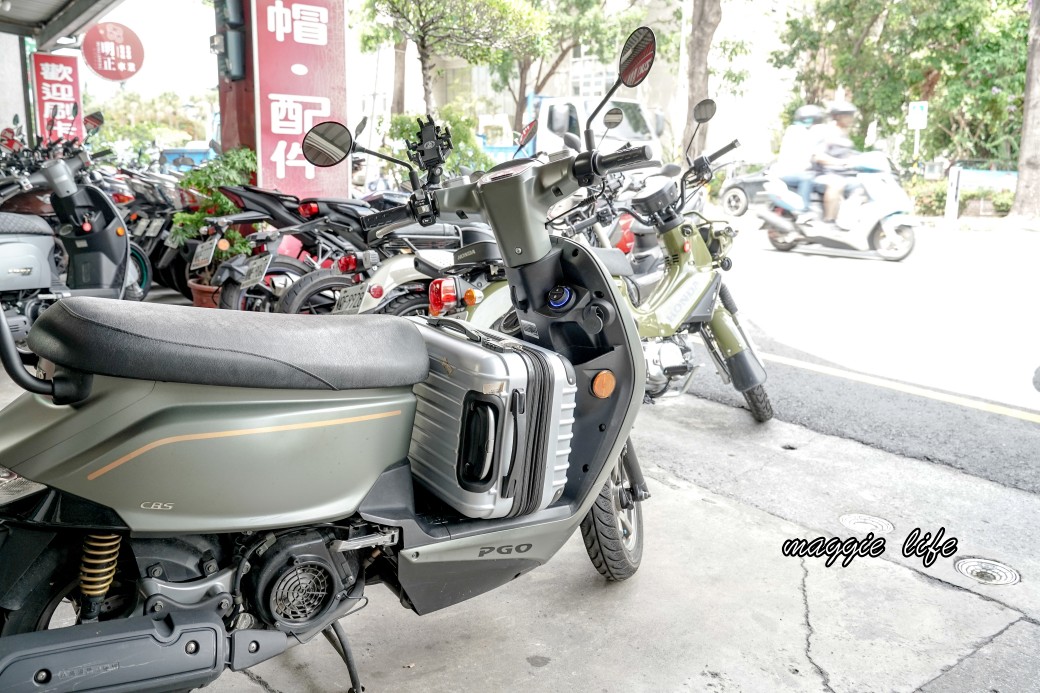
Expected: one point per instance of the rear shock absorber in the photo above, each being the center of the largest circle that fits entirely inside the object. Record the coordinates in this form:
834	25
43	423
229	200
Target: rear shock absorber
97	571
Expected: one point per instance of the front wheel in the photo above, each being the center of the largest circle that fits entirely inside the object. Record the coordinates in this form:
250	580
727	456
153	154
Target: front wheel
758	402
892	245
613	528
281	274
141	270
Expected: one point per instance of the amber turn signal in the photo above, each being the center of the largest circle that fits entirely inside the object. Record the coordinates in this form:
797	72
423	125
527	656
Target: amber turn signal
603	384
120	231
223	244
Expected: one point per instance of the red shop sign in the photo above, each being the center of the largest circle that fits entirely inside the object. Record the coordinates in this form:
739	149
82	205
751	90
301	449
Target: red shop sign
57	89
113	51
299	54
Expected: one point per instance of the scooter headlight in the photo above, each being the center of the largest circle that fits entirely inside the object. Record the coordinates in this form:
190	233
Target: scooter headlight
14	487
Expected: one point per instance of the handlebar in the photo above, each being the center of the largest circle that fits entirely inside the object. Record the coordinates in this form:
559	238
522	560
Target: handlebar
386	217
624	158
723	152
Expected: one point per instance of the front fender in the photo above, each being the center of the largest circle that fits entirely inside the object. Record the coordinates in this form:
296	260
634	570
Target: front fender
745	369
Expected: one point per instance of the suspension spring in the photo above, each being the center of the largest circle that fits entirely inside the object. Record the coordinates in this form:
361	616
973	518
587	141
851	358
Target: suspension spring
98	566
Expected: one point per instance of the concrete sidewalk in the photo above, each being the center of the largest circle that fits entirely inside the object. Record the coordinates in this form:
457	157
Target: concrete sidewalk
716	606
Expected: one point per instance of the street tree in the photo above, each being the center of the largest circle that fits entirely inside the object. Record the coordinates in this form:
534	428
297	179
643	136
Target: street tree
705	15
475	30
530	64
967	60
1027	195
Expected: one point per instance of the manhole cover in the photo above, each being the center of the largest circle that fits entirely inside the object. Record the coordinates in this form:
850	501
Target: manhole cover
858	522
986	571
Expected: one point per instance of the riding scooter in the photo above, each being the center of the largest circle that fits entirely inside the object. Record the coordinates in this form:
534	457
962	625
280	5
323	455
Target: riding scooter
441	461
874	214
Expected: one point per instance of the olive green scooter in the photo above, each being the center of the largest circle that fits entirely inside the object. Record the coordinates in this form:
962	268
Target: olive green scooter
690	299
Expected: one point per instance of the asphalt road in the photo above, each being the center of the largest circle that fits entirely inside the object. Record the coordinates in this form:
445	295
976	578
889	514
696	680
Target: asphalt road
899	322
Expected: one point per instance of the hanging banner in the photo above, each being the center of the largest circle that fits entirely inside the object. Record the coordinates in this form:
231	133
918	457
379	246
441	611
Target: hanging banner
113	51
57	89
299	54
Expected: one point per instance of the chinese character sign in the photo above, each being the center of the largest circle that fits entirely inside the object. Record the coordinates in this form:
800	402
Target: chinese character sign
113	51
57	91
299	60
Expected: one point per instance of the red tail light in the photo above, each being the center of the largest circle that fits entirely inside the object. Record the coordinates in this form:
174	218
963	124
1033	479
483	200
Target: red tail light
628	239
376	291
443	295
308	210
347	263
235	199
122	198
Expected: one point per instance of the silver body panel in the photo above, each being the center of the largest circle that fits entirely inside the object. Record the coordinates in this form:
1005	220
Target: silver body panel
25	262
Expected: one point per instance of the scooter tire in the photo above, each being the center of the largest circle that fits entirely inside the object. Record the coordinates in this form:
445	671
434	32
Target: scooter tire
774	239
875	244
735	201
305	296
758	402
234	297
144	273
411	304
613	553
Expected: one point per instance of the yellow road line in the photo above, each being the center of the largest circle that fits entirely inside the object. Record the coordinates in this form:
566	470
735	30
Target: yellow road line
908	389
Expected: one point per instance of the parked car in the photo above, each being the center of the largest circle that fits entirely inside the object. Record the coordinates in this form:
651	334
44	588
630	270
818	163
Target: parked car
742	189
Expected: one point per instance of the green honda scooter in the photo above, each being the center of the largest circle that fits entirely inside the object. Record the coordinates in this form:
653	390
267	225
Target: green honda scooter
688	301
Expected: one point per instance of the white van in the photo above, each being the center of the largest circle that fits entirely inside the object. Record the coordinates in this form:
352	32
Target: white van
560	114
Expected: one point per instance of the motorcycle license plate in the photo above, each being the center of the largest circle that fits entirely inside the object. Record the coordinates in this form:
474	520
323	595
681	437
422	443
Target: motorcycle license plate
256	269
156	227
349	301
204	253
142	226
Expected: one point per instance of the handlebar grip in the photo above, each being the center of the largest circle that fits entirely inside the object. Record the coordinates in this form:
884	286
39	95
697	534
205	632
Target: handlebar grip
625	157
384	218
724	151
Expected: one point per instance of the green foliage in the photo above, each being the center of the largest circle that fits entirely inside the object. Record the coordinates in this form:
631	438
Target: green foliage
467	150
715	185
727	54
234	167
967	60
164	120
1002	202
929	196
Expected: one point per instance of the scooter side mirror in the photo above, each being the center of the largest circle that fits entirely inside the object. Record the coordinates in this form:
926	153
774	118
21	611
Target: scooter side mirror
637	57
671	170
571	140
704	111
613	118
360	128
327	144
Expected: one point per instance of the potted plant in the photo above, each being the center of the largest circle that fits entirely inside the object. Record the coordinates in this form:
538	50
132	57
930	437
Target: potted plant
233	167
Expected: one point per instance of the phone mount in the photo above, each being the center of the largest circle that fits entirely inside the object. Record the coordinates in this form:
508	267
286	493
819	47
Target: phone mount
434	143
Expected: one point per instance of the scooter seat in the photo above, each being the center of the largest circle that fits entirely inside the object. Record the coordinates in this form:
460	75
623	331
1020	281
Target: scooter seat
24	225
151	341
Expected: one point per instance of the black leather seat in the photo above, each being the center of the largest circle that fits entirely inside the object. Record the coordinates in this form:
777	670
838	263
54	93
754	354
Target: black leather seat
24	225
149	341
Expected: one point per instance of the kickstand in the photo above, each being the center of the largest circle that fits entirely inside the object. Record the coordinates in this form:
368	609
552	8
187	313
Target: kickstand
337	637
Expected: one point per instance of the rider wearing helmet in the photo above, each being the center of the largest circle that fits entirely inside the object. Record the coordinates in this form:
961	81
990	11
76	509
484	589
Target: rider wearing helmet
834	146
794	163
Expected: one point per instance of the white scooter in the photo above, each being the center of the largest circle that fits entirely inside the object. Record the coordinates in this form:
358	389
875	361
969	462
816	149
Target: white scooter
873	216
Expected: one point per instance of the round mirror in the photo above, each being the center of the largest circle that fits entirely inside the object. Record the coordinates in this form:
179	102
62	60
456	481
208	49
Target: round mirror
327	144
360	128
93	122
16	119
75	110
704	111
637	56
528	134
613	118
